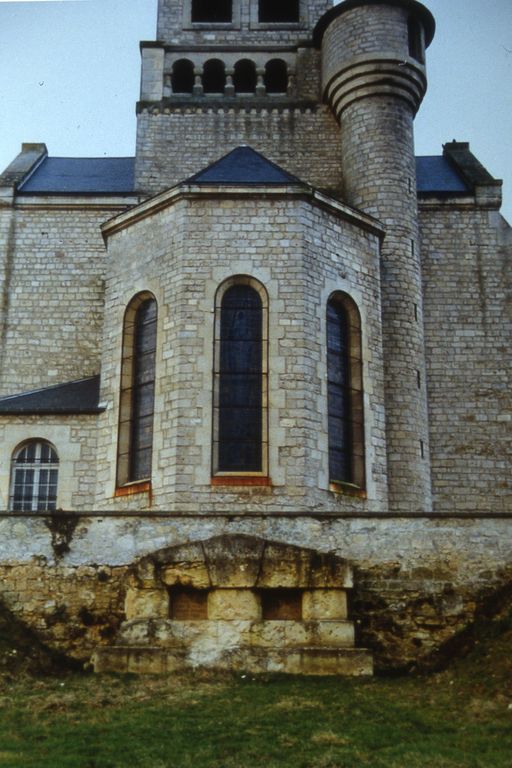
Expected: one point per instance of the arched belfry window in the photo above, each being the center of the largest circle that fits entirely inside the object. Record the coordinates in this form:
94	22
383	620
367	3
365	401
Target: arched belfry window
345	392
34	477
214	76
240	378
244	78
182	78
276	76
135	444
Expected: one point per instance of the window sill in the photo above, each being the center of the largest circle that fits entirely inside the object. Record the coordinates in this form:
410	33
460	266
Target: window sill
247	481
348	489
131	489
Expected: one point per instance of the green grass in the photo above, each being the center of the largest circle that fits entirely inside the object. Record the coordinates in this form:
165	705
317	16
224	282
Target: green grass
460	718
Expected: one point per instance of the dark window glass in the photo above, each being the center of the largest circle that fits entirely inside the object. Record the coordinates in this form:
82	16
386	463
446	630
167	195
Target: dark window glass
414	31
34	478
240	381
276	76
211	11
214	76
344	392
143	391
182	78
279	11
245	76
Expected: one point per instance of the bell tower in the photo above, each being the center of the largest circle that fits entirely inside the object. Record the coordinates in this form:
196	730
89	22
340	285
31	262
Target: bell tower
233	72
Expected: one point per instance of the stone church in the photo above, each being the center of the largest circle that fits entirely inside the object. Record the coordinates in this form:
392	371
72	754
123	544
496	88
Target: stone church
255	397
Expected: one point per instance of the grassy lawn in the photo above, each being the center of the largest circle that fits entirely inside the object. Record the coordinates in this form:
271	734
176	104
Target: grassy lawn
459	718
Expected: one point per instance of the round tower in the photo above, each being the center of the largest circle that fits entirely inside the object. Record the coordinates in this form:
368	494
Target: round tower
373	76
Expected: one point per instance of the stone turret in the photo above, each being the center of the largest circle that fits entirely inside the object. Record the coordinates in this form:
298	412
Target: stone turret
373	77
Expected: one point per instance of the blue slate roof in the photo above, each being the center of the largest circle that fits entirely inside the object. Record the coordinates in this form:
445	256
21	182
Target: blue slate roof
436	174
243	165
74	397
81	175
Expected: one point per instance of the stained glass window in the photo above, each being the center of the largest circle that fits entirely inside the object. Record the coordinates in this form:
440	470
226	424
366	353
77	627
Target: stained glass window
239	382
137	391
345	391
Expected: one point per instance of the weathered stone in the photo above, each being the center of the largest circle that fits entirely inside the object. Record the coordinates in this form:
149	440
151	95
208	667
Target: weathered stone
324	604
233	604
146	603
234	561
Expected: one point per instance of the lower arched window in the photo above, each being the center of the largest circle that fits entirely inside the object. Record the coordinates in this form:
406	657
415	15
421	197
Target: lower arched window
244	78
135	444
345	392
276	76
214	76
182	78
240	379
34	477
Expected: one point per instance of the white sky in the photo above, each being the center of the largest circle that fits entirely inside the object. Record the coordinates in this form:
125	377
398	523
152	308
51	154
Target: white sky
70	69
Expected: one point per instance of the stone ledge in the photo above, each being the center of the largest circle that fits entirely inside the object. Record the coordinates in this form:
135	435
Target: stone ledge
347	662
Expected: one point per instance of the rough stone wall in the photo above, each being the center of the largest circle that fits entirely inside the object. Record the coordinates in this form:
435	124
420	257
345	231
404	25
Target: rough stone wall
173	146
53	268
418	582
467	284
71	609
300	254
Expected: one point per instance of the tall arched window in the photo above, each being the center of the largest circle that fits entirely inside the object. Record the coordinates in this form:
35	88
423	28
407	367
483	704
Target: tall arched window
34	476
345	391
240	379
137	390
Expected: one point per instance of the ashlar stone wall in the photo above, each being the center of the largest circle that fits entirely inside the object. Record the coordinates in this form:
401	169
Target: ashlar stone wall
174	145
467	284
52	264
300	252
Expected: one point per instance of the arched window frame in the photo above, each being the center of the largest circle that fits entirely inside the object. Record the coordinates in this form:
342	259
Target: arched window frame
130	426
182	73
214	74
345	400
34	479
221	476
276	74
245	73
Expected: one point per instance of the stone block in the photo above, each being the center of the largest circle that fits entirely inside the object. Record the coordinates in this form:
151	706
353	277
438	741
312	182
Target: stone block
146	603
335	634
284	567
147	661
324	604
233	604
185	566
234	561
186	574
